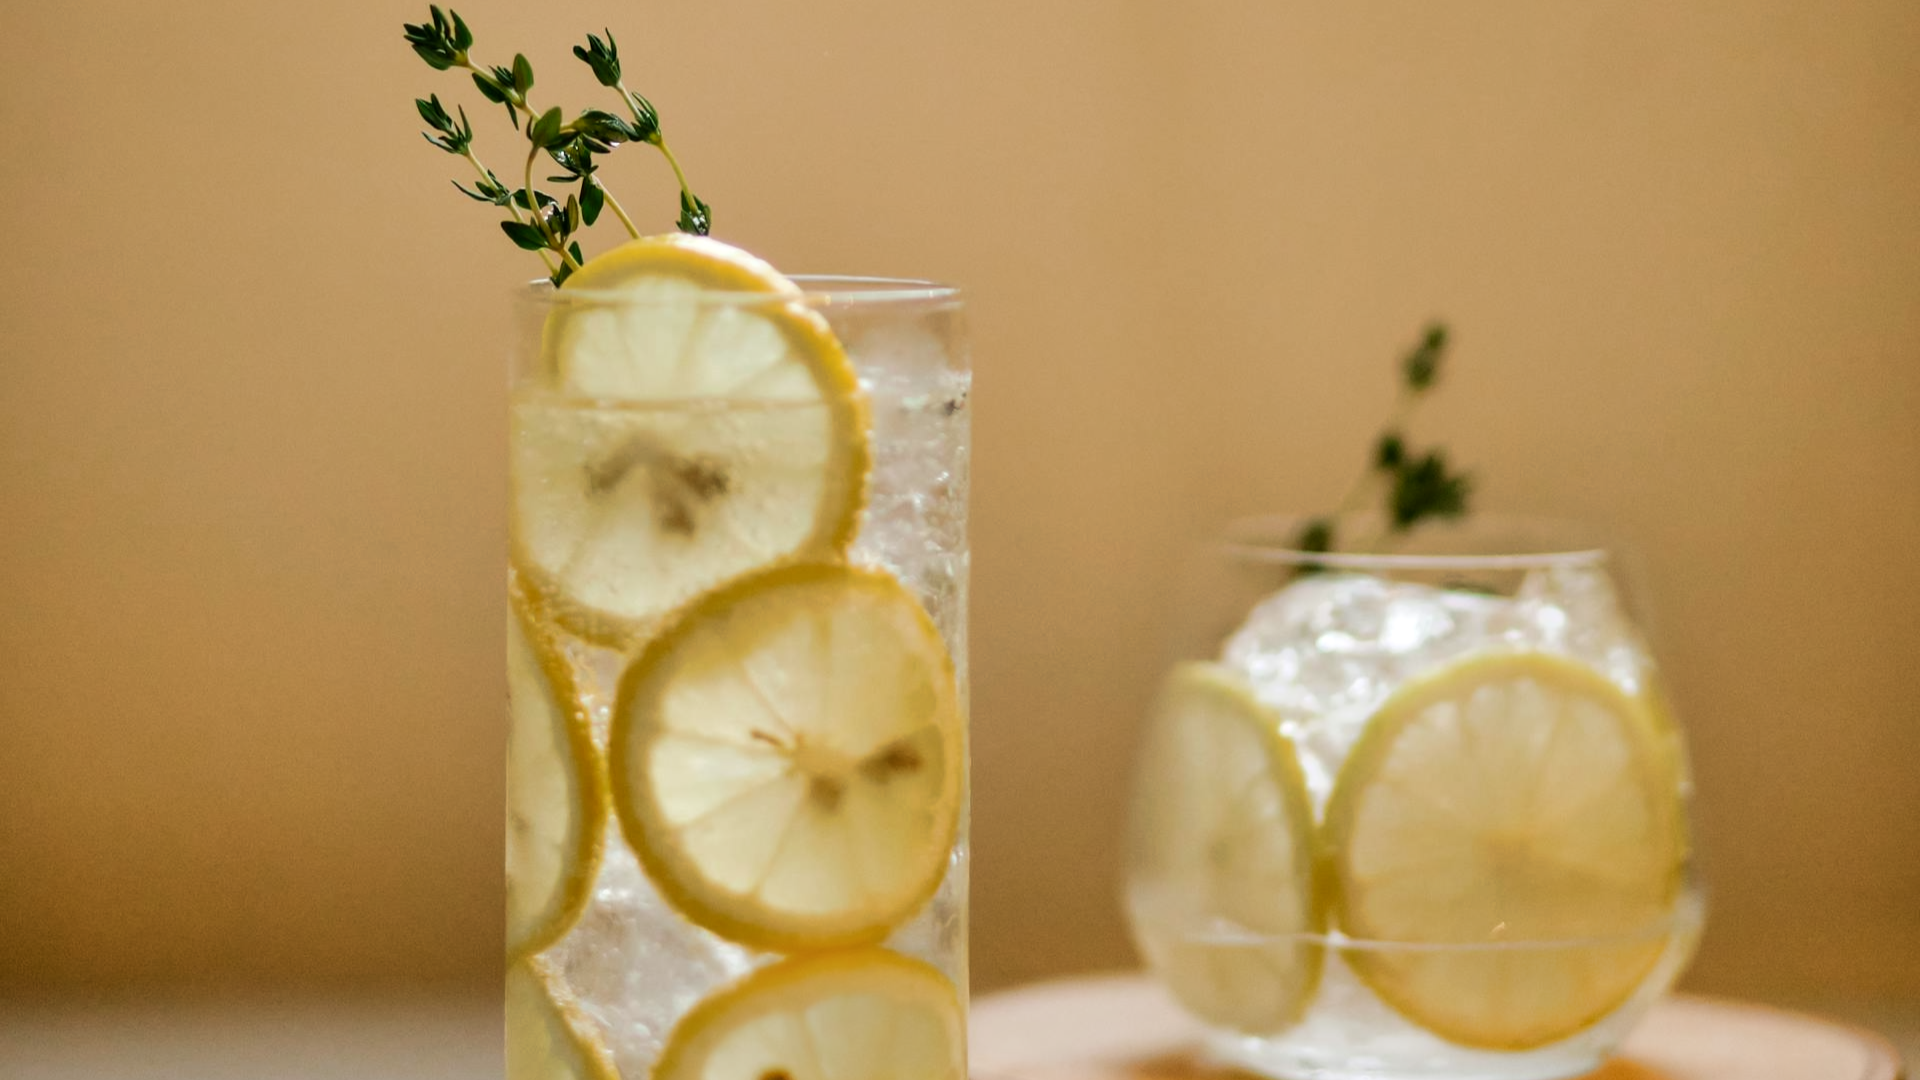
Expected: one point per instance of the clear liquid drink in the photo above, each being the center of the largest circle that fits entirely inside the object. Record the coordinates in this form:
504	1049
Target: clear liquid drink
1413	815
737	835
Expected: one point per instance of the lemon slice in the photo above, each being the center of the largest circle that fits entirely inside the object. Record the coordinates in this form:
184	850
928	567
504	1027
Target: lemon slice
547	1038
1518	816
556	795
858	1015
682	433
1222	856
786	758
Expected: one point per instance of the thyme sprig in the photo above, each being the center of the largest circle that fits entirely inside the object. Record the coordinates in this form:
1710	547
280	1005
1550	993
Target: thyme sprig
603	57
550	224
456	137
1415	486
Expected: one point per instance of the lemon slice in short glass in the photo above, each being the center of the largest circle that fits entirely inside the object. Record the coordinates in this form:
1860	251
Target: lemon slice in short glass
681	431
787	761
547	1037
859	1015
1221	882
556	795
1518	816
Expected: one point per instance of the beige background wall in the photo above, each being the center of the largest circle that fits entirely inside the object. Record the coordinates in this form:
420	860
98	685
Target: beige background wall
251	411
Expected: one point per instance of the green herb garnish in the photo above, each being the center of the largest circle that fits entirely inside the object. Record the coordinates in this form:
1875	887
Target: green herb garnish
549	223
1416	486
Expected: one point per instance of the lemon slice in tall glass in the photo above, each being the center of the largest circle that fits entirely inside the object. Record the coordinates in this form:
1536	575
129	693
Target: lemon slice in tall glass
674	441
1519	801
556	793
857	1015
787	761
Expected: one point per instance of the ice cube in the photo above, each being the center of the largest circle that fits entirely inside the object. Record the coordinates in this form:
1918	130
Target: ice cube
938	934
596	679
915	524
1574	609
635	965
1325	651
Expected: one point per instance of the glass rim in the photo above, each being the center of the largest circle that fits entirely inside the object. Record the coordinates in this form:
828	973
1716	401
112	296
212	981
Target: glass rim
1557	542
816	290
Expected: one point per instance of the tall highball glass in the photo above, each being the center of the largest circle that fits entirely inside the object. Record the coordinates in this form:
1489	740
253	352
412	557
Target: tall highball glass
737	657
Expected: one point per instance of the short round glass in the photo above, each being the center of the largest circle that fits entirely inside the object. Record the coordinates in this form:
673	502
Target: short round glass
1420	813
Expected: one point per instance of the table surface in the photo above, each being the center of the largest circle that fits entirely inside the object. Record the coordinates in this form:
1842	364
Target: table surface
367	1037
457	1037
1124	1027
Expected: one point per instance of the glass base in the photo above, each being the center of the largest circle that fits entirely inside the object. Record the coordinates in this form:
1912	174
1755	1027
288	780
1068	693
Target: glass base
1350	1034
1266	1058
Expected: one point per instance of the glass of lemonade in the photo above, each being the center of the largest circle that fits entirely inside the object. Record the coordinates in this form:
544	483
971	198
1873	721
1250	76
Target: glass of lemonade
737	777
1419	814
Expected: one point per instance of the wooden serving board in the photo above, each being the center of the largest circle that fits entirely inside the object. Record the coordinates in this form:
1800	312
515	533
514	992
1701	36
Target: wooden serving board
1124	1027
